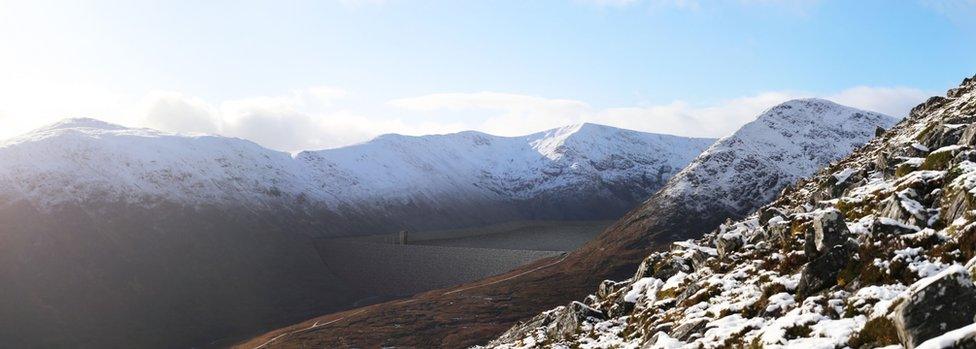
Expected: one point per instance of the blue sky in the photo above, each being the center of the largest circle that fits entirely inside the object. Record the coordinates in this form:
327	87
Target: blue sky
300	75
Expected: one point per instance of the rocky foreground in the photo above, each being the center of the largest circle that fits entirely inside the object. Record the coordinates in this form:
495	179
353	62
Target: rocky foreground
876	250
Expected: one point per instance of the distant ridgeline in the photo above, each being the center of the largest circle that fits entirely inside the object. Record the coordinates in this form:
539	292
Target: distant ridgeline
580	172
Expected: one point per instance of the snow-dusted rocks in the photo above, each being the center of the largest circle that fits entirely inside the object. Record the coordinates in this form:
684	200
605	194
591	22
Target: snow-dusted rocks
935	305
899	278
829	230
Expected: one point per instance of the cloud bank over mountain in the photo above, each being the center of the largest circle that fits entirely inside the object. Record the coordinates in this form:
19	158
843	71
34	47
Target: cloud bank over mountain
322	117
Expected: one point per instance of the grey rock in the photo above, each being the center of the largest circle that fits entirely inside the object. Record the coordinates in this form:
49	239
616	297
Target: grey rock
968	136
934	307
608	287
557	323
687	329
955	204
883	227
770	212
726	244
829	229
822	272
689	291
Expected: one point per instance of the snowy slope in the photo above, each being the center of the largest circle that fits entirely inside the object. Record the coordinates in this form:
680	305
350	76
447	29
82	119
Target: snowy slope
788	142
85	160
394	166
79	160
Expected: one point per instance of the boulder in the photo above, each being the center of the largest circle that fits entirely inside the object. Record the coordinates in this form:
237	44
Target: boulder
689	291
968	136
608	287
728	243
887	226
829	229
822	272
942	135
894	207
935	305
810	244
689	328
962	338
955	203
699	258
768	213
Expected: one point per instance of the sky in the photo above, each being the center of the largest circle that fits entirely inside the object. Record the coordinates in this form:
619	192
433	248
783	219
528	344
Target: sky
297	75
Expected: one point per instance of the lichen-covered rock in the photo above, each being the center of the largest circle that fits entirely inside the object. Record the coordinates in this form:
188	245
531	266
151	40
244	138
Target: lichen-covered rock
935	305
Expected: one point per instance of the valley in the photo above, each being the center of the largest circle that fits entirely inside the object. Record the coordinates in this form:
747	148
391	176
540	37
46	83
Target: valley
381	267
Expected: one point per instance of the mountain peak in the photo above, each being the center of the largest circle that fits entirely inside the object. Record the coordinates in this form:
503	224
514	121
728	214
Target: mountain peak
817	111
74	123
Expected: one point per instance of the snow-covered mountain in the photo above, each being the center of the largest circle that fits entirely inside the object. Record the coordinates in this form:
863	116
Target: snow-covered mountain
583	171
747	169
85	160
877	250
203	237
735	175
400	167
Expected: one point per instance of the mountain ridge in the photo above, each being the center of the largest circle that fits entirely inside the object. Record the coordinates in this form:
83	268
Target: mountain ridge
481	310
600	166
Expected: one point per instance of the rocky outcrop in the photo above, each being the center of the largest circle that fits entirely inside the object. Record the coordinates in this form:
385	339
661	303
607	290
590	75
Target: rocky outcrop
935	305
859	255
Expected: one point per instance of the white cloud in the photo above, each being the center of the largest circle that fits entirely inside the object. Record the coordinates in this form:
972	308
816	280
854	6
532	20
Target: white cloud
305	119
894	101
27	103
174	111
512	114
324	117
